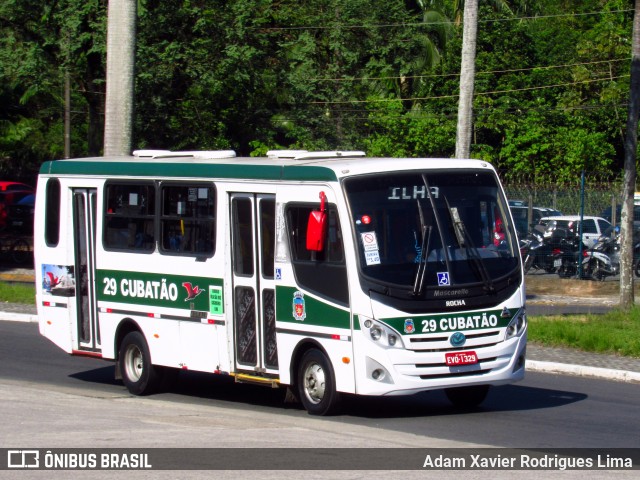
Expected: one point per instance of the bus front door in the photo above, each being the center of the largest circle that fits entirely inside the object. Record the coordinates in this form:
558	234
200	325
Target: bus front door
84	242
252	248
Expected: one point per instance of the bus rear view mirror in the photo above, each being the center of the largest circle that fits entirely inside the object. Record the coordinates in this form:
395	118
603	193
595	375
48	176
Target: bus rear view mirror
317	227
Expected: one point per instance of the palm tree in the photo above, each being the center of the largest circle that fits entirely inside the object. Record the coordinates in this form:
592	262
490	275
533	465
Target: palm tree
630	151
468	10
121	43
468	70
467	79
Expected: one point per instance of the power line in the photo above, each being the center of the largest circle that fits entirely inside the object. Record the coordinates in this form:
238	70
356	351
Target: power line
427	24
440	97
357	115
486	72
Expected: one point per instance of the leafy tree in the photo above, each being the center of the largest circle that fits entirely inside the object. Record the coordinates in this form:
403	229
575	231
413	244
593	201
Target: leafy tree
39	42
383	76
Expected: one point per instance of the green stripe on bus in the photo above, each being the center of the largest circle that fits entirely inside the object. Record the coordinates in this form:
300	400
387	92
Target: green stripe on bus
161	290
450	322
310	311
142	168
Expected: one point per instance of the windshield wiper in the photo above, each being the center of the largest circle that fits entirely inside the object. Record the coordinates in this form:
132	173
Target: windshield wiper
465	241
418	283
439	225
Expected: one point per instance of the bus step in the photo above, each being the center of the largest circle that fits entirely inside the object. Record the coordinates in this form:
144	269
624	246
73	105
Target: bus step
246	378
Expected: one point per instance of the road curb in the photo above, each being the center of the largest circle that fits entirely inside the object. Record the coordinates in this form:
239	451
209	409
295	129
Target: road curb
583	371
19	317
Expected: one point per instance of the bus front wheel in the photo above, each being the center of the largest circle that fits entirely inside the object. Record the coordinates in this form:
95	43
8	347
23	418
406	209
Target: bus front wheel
138	374
316	384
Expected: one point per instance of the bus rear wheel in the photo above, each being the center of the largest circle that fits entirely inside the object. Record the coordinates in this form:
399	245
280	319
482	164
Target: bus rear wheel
316	384
467	397
139	375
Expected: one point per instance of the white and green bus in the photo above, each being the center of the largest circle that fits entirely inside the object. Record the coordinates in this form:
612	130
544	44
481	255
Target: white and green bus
326	272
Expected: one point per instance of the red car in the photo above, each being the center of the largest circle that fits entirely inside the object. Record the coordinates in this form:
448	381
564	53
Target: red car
6	186
8	198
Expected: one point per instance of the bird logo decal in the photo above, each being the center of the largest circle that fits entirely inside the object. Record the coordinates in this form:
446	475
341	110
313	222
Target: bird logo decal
192	291
53	280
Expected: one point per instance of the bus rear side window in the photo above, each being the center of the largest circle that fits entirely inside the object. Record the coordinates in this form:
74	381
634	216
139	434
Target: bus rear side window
187	221
130	216
52	213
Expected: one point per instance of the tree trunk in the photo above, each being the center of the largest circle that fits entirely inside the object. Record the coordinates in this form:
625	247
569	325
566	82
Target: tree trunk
630	149
467	77
121	43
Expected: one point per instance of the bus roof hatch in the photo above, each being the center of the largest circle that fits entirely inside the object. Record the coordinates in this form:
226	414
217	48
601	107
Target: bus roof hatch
203	154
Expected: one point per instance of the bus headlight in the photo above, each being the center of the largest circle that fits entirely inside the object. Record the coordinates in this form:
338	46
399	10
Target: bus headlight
381	334
516	326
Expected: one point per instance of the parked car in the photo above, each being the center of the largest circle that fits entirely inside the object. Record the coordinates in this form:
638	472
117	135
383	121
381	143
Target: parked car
606	214
7	198
8	186
520	216
20	215
592	228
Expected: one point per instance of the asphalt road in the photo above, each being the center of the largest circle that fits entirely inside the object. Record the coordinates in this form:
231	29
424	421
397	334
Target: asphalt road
49	400
542	411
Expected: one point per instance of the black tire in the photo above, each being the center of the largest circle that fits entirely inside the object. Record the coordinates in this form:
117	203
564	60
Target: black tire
20	251
597	272
566	272
139	375
528	261
316	384
467	397
636	267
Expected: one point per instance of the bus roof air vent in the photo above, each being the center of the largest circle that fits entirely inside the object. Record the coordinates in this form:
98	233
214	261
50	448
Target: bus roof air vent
330	154
285	153
149	153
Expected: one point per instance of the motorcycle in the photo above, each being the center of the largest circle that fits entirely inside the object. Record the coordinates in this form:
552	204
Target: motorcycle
636	259
538	251
571	256
604	258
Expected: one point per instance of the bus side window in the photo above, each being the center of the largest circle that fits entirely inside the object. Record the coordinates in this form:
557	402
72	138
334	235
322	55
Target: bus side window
130	216
322	272
187	219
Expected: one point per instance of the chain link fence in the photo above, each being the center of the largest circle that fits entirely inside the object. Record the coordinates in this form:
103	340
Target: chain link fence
567	200
600	198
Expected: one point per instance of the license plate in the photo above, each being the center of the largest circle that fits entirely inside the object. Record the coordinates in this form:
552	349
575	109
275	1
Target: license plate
460	358
557	262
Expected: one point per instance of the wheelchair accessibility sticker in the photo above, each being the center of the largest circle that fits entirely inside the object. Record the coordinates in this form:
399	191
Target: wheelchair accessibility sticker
443	279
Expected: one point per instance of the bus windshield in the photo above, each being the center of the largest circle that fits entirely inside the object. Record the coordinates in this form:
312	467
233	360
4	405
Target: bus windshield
434	229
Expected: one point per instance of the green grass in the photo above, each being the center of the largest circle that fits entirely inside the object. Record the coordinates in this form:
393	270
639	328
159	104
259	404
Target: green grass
615	332
17	293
